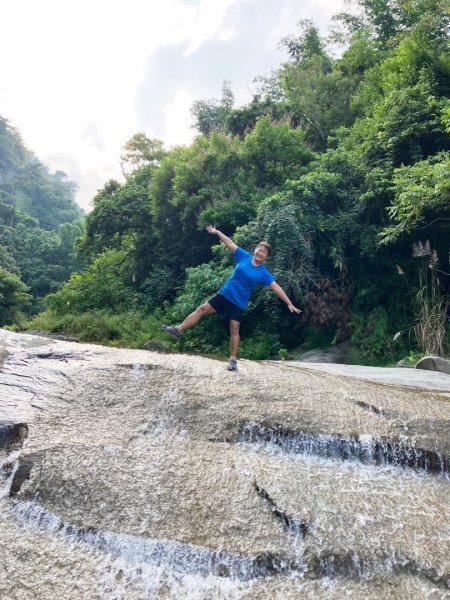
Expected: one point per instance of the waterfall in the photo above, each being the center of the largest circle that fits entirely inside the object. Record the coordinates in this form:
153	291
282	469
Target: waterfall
366	449
12	437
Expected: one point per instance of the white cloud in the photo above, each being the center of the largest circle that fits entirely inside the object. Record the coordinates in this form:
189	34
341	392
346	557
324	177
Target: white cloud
178	130
80	77
207	23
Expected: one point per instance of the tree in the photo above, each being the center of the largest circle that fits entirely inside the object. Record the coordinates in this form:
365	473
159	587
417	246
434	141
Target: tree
122	220
393	19
14	297
139	151
318	89
242	120
203	177
302	46
211	115
103	285
421	198
274	152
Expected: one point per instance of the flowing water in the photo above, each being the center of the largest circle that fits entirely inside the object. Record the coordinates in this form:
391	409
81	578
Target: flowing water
128	474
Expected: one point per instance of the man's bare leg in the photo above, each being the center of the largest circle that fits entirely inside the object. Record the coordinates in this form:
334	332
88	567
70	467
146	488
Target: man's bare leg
234	344
196	316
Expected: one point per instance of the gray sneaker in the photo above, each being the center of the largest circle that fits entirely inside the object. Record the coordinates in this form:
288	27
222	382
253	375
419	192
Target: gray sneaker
173	331
232	365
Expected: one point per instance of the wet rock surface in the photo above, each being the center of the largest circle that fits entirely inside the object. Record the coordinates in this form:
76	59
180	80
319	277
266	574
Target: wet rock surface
133	474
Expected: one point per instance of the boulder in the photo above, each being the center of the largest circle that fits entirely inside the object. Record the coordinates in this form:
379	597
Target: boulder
434	363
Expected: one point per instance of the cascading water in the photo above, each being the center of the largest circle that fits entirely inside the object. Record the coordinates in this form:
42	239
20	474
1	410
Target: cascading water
370	475
12	437
155	476
366	449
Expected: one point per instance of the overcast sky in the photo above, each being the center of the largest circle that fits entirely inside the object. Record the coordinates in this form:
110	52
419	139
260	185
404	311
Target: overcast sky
79	77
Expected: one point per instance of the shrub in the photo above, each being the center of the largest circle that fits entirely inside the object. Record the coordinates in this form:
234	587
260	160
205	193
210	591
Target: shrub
130	329
13	297
372	339
101	287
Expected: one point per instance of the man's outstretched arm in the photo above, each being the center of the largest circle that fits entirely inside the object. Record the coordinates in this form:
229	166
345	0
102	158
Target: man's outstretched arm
223	238
282	294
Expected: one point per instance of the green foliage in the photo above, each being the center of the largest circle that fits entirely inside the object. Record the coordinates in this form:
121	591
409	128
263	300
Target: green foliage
279	222
229	214
27	185
372	339
157	288
122	220
43	259
274	153
430	303
103	285
422	195
219	180
261	345
189	181
202	283
306	44
314	337
409	126
120	211
39	219
412	358
210	116
242	120
331	158
13	298
132	328
391	20
360	56
320	90
7	261
140	151
283	353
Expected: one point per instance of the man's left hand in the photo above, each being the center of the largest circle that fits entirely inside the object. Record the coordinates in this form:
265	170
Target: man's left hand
293	309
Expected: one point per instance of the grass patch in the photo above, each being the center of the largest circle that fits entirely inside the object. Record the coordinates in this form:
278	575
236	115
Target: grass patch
131	329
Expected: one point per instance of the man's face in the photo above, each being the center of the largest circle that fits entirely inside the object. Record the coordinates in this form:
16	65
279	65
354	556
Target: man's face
261	253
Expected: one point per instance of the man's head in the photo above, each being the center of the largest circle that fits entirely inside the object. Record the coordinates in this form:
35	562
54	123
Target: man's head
262	251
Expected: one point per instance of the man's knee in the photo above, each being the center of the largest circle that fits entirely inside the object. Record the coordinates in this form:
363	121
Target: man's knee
234	327
205	309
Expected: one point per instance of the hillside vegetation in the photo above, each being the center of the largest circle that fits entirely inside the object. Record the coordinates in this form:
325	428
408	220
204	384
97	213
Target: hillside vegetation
39	221
342	164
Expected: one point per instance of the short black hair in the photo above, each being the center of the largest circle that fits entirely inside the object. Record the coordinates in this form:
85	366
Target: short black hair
266	245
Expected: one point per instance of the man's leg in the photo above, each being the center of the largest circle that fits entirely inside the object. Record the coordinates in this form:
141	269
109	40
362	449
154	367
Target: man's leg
196	316
234	339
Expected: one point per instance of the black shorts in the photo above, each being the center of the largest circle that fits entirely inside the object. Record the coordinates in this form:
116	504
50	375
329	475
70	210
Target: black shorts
226	308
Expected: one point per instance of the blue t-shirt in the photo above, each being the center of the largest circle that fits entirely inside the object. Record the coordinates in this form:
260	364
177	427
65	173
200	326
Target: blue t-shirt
245	278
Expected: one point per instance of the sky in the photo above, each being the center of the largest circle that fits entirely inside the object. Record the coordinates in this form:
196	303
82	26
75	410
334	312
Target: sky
78	78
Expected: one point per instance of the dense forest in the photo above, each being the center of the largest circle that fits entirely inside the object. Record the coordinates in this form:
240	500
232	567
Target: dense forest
39	223
342	164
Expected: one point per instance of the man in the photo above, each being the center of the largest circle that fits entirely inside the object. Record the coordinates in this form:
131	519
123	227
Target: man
232	298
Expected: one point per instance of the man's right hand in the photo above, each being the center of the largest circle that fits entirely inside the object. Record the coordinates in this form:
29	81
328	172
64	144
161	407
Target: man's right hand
222	237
